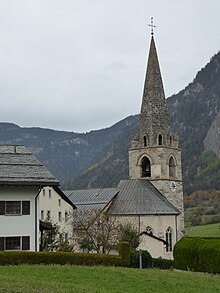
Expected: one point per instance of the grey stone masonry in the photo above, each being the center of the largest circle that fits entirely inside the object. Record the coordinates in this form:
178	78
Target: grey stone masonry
154	154
154	122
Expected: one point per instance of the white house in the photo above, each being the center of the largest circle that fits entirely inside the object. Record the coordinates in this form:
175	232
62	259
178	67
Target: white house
55	207
22	178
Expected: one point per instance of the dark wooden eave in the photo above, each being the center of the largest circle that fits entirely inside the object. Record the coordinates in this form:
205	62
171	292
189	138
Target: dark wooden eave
45	226
153	236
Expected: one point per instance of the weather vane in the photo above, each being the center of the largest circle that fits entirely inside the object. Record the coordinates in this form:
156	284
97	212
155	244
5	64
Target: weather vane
152	26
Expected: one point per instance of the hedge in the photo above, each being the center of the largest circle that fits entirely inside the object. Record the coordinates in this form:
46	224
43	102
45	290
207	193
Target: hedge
124	250
198	254
162	263
146	259
149	262
62	258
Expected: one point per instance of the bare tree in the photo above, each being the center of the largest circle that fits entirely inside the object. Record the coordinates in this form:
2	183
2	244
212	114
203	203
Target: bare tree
96	231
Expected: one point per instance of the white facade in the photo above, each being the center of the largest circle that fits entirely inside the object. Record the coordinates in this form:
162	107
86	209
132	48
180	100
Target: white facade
17	225
53	208
159	226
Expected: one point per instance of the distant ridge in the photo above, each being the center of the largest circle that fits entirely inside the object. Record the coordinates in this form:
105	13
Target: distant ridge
99	158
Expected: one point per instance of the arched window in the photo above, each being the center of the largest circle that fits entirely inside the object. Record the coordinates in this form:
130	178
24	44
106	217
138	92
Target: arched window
149	230
145	166
169	240
145	141
160	139
172	167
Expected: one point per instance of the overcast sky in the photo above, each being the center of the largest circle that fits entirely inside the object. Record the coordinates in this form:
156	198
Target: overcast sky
79	65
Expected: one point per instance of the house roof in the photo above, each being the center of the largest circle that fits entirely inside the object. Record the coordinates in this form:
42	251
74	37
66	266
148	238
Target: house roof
140	197
18	166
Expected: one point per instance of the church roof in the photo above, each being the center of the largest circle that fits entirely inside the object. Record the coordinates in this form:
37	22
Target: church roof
132	197
140	197
154	118
18	166
90	199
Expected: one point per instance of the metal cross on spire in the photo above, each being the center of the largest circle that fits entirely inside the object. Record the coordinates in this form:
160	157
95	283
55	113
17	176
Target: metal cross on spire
152	25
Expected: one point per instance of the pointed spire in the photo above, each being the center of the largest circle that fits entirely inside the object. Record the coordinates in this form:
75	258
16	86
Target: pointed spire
153	121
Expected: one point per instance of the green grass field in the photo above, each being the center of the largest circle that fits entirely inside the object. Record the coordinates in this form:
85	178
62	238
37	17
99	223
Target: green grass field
211	230
62	279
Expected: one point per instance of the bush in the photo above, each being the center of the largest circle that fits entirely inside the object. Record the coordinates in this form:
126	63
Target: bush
198	254
146	259
62	258
163	264
124	249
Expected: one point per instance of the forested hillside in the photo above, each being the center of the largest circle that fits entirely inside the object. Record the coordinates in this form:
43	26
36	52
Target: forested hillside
192	113
100	158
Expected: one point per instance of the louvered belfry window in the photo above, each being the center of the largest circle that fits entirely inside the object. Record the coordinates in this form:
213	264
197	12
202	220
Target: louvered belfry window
146	167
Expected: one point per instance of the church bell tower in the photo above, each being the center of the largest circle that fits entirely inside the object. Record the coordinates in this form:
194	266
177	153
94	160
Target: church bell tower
154	154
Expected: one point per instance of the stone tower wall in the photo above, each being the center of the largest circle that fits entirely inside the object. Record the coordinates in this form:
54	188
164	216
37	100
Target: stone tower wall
170	187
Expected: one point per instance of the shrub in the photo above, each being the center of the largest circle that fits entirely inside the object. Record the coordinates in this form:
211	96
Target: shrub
124	249
127	233
61	258
198	254
146	259
163	264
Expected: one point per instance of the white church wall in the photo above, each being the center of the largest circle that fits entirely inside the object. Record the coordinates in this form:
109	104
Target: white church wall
159	225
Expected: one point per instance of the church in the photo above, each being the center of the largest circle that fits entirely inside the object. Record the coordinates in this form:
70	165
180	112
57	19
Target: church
152	198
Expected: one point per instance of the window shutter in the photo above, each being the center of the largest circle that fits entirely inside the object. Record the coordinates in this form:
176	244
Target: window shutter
25	242
2	243
25	207
2	207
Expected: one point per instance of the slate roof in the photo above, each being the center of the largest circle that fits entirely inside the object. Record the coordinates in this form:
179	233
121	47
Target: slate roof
18	166
131	197
140	197
91	199
154	117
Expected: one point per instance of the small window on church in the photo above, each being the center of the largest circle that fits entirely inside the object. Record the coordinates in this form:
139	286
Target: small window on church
146	168
169	240
170	140
172	167
146	141
149	230
160	139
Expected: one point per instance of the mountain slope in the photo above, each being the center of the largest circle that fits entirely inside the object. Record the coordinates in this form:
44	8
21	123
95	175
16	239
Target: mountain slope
192	112
212	140
109	166
64	153
100	158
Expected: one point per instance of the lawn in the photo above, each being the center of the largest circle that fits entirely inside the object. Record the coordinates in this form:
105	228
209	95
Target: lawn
211	230
62	279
